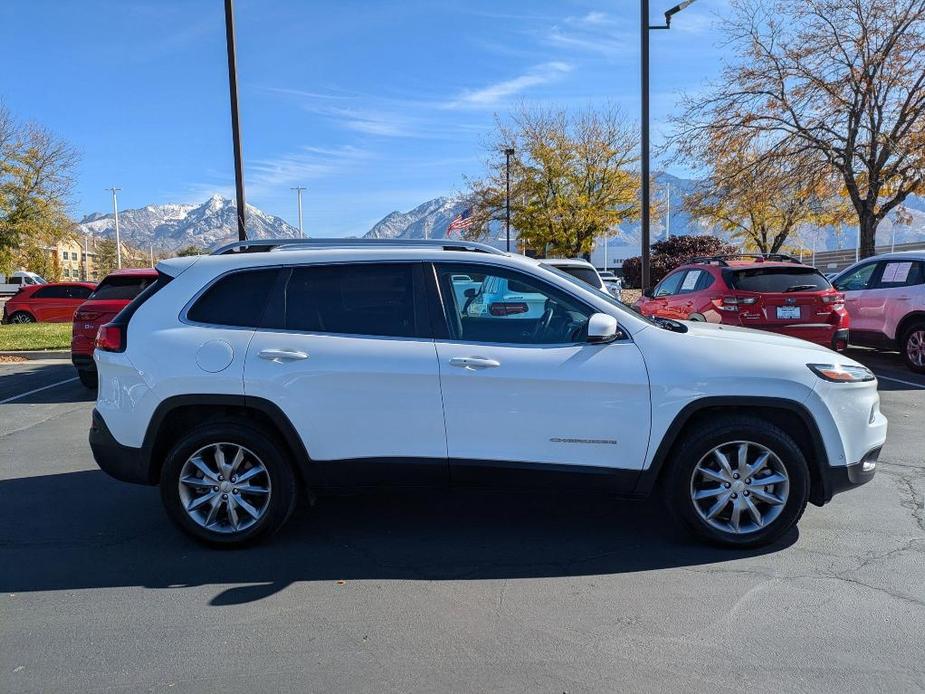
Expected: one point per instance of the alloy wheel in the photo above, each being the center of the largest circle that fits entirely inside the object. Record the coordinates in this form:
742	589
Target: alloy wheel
915	347
224	488
739	487
21	318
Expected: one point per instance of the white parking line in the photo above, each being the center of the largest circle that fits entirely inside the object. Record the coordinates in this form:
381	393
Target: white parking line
899	380
37	390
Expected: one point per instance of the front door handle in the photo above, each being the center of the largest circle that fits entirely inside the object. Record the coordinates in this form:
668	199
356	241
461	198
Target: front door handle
473	363
281	355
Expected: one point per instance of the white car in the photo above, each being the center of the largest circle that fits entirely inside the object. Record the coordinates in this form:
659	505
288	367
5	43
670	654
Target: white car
239	379
885	299
579	269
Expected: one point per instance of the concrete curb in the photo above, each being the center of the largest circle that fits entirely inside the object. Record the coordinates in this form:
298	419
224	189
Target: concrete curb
49	354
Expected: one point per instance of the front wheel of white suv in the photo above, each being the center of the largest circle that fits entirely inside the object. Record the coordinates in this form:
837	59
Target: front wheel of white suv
228	483
739	481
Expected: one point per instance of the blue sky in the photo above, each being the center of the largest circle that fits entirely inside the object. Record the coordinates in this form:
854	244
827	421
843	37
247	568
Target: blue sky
374	106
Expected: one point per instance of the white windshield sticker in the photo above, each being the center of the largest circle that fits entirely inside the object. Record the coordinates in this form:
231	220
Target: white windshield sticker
894	273
690	280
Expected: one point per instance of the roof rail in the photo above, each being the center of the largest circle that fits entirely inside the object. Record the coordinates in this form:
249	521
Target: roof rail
265	245
758	257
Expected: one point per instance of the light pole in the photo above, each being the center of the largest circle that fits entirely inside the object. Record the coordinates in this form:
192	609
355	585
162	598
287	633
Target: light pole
115	213
298	190
644	134
235	123
508	153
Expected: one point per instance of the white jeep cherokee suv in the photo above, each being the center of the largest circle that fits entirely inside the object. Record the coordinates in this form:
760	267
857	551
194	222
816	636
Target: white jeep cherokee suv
239	379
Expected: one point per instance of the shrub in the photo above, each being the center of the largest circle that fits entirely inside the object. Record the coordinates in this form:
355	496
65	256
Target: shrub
667	255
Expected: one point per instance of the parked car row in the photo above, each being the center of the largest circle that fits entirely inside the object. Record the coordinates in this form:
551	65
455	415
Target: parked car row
878	302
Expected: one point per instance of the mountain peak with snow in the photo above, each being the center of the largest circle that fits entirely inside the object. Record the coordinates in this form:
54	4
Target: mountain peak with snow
171	226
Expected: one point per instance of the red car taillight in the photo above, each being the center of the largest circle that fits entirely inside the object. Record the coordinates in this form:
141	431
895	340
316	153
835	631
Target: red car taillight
111	338
833	299
732	303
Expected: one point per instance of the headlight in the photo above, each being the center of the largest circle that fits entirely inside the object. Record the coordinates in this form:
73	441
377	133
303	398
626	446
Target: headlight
841	373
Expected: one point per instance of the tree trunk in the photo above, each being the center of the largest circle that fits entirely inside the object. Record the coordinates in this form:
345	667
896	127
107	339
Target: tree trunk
868	223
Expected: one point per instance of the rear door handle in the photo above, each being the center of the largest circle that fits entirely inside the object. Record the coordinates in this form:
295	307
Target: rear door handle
281	355
473	363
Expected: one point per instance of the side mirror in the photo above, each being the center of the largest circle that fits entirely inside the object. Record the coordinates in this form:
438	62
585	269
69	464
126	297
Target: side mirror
602	328
648	292
469	293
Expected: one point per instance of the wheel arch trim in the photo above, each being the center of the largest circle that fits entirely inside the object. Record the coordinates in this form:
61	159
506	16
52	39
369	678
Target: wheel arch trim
279	419
817	458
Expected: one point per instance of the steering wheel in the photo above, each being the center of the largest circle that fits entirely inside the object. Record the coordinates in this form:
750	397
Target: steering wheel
542	325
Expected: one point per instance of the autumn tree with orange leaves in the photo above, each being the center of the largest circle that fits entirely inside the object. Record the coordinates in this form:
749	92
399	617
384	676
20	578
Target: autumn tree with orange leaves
840	82
763	201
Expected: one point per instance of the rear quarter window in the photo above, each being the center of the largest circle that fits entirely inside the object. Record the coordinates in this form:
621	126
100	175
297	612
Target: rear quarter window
238	299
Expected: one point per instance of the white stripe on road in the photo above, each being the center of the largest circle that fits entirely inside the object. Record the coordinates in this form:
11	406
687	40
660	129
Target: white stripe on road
899	380
38	390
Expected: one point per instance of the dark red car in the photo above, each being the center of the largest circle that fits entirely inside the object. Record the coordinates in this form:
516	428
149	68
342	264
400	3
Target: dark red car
112	295
772	292
54	302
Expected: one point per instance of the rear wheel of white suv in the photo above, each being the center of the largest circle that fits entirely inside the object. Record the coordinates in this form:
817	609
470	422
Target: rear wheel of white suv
228	483
740	481
912	347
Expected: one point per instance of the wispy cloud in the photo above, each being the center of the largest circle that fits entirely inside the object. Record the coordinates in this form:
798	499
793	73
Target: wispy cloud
303	164
497	92
594	32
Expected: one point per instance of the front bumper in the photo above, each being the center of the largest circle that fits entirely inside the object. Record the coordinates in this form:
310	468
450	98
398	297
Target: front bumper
847	477
122	462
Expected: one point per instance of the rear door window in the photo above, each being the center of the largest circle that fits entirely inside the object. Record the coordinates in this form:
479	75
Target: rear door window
124	287
902	273
238	299
778	279
362	299
58	291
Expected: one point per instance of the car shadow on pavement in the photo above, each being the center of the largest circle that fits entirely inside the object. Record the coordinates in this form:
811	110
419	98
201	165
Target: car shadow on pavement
83	530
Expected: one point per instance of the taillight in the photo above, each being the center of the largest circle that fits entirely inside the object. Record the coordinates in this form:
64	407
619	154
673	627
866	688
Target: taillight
732	303
86	315
833	299
111	338
507	308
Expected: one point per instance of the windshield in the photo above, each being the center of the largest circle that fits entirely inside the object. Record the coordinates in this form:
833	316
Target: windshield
778	279
601	293
125	287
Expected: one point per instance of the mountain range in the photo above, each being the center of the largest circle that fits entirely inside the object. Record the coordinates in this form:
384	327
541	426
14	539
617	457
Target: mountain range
171	227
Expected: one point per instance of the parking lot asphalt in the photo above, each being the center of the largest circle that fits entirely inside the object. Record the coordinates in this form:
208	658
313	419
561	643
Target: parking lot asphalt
446	591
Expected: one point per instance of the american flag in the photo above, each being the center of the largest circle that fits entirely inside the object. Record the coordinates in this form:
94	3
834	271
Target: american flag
462	221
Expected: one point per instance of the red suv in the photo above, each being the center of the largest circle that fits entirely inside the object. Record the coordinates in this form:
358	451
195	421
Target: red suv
112	295
47	303
768	292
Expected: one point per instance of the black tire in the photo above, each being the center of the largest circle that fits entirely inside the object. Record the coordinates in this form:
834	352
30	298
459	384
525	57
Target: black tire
88	378
270	453
911	338
695	445
22	317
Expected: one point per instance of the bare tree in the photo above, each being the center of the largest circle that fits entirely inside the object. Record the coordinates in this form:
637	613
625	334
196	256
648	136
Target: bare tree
842	81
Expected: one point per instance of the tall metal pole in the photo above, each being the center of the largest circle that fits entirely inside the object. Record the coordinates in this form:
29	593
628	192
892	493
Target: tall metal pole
298	190
668	214
115	213
644	143
508	152
235	123
86	260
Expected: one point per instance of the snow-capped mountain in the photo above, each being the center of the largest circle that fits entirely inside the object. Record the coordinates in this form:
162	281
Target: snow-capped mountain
171	227
427	221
